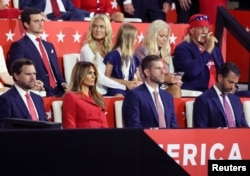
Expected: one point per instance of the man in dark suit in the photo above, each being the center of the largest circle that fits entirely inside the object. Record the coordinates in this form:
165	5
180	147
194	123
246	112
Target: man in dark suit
28	47
14	103
147	10
141	108
218	107
67	10
197	56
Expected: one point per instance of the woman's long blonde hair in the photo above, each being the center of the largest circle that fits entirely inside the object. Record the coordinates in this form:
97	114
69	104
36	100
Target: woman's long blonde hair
150	40
107	43
125	39
78	76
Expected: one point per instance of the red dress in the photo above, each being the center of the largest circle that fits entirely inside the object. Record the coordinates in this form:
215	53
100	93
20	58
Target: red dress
11	13
80	111
97	6
209	7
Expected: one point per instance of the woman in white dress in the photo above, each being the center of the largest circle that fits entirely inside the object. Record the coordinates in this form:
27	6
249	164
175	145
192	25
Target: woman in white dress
98	44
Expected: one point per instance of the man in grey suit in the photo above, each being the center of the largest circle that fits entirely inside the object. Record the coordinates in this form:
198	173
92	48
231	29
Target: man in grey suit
141	108
218	107
14	102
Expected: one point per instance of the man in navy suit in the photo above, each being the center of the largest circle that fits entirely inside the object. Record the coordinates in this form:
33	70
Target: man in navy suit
28	47
139	106
210	110
13	102
147	10
197	56
68	11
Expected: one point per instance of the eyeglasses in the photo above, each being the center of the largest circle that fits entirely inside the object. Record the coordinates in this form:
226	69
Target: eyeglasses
200	18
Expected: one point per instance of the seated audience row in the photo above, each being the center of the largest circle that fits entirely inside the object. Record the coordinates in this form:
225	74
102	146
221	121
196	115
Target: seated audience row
146	106
117	66
121	62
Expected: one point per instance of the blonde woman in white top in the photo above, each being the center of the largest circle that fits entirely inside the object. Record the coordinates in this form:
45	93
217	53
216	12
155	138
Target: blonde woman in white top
99	43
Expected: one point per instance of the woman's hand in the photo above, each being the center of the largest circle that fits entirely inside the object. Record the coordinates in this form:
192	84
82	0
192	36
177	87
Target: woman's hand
38	86
172	78
130	84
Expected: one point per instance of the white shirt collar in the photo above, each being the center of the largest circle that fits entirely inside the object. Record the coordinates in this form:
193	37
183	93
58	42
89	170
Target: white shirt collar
217	90
20	90
32	36
151	90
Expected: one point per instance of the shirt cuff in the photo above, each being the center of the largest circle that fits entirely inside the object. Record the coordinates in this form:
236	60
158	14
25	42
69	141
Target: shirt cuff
92	14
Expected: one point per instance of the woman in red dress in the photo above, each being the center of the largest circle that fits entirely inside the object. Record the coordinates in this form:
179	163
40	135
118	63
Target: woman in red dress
100	7
83	106
7	12
209	8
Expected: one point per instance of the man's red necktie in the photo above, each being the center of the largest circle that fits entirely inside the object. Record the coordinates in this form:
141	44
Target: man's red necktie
31	107
45	58
55	8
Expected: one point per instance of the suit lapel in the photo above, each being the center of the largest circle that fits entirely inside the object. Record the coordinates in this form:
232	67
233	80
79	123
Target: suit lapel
38	106
87	99
36	52
20	103
235	107
218	104
33	47
164	102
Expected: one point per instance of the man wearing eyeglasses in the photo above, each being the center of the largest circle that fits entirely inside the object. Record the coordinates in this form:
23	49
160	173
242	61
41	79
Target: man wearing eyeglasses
197	56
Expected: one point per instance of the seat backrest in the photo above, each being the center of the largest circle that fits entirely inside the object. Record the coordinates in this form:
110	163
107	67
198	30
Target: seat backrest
189	113
69	61
118	114
246	109
57	110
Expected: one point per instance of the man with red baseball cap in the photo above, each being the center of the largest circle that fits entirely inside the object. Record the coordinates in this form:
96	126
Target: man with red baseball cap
197	56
